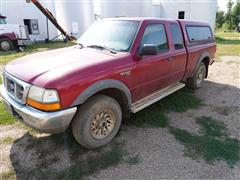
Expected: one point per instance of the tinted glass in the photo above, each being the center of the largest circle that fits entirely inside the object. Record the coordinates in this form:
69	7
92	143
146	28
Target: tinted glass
155	34
177	36
116	35
199	33
2	21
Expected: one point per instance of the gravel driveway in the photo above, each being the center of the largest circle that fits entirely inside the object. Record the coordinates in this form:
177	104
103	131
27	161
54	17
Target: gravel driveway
160	155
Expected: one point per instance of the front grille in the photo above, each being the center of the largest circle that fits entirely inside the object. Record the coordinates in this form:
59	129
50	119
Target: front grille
16	88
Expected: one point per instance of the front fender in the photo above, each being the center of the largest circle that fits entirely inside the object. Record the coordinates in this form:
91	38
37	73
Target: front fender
99	86
10	36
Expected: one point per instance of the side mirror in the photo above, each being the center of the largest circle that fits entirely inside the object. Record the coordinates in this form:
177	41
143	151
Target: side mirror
148	49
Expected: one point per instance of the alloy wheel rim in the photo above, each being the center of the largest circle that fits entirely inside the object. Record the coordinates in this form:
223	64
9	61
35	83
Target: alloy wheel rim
103	124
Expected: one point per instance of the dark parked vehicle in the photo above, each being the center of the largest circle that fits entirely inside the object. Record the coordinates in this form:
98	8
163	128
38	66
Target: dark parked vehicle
119	67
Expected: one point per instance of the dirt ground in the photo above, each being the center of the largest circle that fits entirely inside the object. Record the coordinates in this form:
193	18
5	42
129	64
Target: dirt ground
160	155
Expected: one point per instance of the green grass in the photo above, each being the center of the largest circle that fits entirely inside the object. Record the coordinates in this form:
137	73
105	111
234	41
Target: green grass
37	47
10	174
228	44
228	35
5	117
133	160
180	101
155	115
148	118
211	127
93	164
7	140
213	144
30	130
99	161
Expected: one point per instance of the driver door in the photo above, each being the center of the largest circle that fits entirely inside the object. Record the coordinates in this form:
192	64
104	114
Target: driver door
153	72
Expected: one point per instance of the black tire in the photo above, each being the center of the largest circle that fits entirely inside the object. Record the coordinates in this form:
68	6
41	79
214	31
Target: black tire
84	120
195	82
6	44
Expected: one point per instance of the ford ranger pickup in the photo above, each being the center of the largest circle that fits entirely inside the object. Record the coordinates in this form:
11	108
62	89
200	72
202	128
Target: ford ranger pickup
118	67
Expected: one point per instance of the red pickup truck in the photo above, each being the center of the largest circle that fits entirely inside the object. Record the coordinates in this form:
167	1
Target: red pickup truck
118	67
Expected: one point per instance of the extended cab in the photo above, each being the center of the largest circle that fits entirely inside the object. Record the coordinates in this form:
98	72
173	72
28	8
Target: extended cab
119	67
12	36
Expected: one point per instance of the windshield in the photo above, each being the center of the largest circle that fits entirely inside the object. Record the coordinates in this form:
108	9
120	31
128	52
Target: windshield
2	21
116	35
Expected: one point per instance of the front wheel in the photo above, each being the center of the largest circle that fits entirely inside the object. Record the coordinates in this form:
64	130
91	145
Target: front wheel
97	121
6	44
196	81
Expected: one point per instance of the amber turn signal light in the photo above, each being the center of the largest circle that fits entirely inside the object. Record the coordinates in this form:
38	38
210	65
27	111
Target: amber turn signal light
44	106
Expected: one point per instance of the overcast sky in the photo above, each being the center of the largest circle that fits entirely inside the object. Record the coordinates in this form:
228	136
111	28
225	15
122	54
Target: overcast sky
222	4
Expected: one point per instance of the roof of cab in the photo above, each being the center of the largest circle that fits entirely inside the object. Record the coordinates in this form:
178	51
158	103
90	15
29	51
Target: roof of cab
138	19
141	19
193	22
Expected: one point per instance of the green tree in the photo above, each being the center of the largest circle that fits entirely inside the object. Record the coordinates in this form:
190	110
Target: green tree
236	14
220	19
229	14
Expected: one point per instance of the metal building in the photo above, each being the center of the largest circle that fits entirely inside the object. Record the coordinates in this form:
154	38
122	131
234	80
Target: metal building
75	16
204	10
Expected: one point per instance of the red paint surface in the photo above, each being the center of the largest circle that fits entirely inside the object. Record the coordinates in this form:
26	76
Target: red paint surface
72	70
10	36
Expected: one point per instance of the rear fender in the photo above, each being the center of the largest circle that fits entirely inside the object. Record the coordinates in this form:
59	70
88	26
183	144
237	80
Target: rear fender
201	58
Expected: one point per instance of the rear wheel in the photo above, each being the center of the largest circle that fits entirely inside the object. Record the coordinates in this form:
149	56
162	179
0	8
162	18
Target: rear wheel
97	121
196	81
6	44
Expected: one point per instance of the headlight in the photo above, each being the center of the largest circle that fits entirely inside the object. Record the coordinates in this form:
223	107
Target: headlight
43	99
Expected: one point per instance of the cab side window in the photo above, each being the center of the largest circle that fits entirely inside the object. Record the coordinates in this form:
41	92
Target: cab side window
177	36
155	34
199	33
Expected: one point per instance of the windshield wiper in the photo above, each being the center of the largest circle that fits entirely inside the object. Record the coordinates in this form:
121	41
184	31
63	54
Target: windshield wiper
102	47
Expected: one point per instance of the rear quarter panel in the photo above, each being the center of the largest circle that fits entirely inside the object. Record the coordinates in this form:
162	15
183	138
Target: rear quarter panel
196	49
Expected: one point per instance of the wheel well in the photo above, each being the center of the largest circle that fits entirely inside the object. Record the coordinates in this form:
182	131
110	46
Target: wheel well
5	37
206	61
120	97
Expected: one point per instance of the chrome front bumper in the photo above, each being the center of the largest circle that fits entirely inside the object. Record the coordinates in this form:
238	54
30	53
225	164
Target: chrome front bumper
49	122
23	42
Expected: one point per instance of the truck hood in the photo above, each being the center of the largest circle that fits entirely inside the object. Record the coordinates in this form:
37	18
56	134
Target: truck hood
31	67
19	30
9	25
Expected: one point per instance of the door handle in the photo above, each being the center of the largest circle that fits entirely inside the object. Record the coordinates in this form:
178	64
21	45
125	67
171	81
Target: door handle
171	58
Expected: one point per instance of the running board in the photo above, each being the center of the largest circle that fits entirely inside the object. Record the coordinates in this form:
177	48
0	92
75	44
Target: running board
149	100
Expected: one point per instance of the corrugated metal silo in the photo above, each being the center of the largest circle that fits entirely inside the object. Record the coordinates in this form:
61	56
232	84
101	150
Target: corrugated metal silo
75	16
